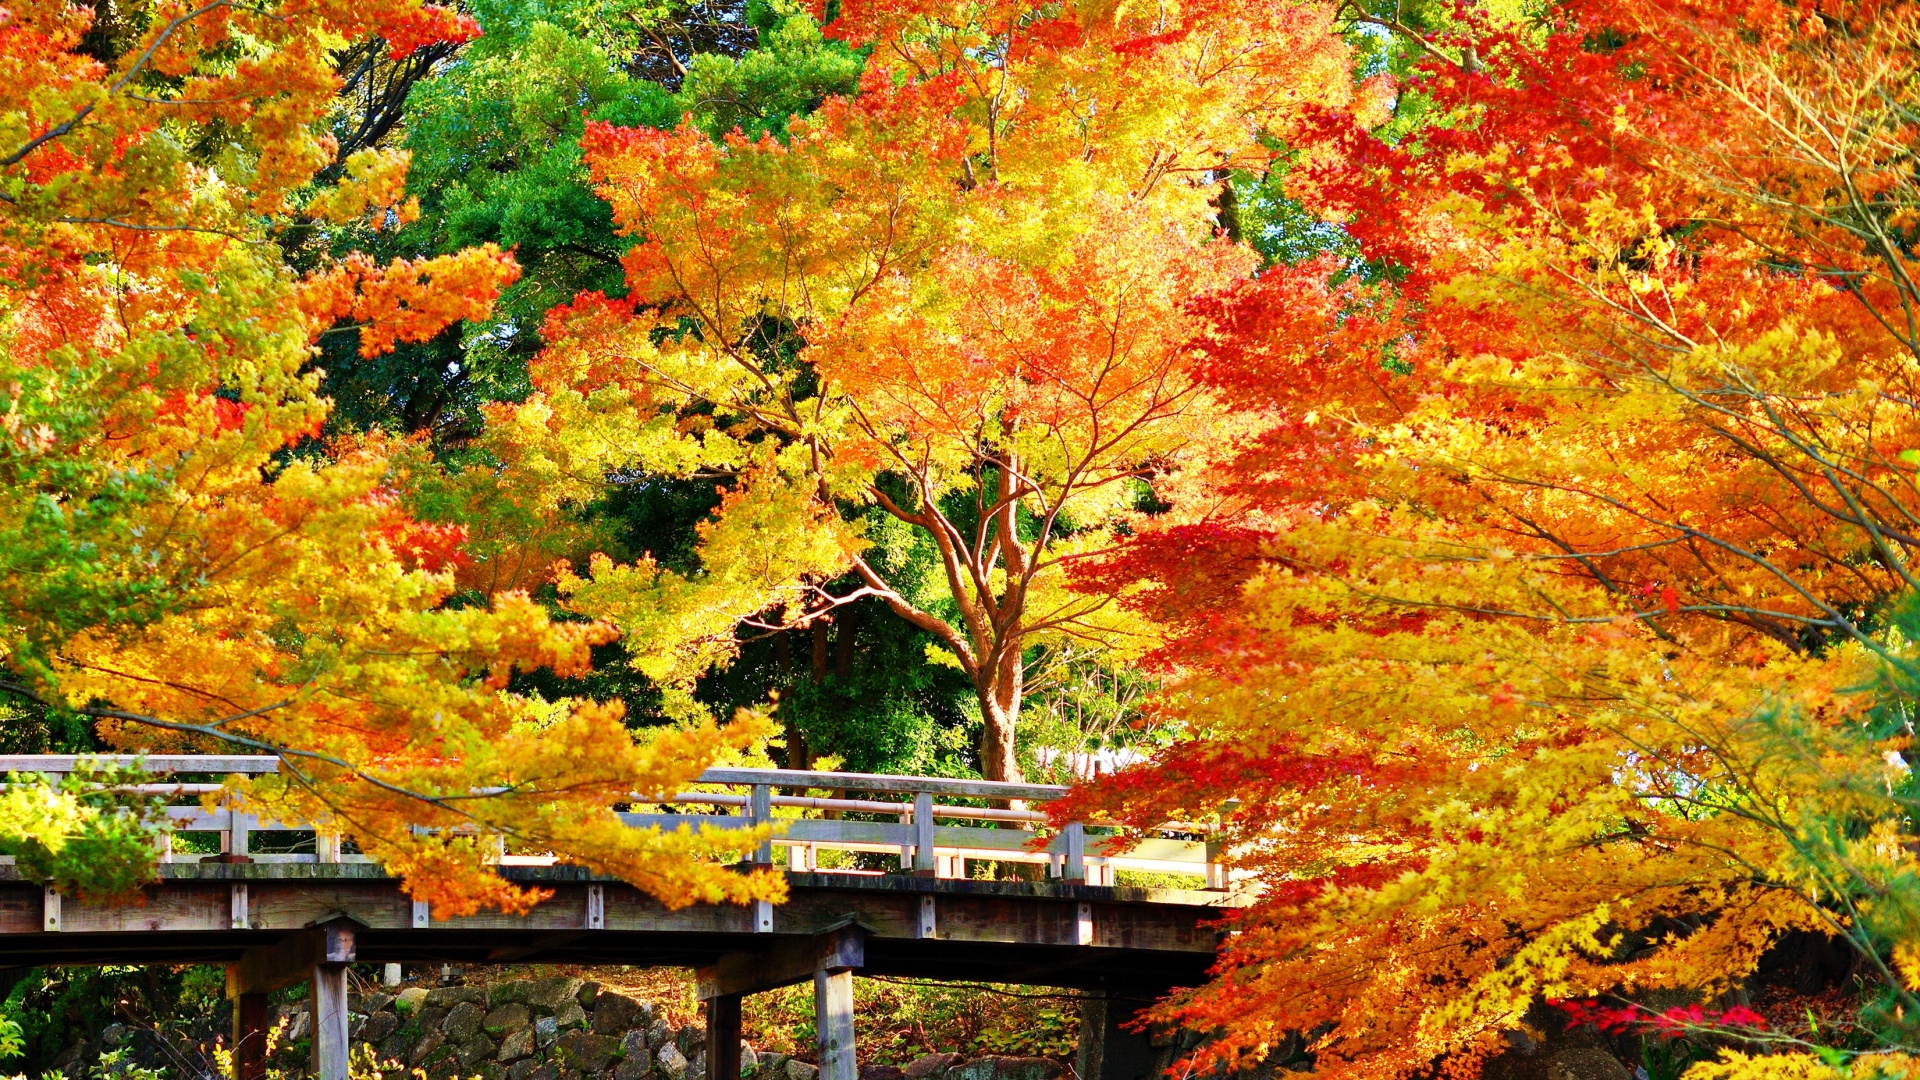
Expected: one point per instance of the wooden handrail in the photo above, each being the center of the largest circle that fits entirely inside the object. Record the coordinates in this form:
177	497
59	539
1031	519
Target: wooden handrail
923	844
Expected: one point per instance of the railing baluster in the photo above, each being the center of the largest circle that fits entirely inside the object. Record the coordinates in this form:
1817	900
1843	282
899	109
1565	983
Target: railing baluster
1074	849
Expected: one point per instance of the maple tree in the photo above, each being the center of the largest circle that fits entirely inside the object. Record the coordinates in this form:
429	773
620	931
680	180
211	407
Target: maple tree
181	560
1555	634
947	313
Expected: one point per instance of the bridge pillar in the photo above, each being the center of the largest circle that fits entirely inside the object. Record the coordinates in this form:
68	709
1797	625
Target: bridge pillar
1108	1051
833	1020
250	1036
329	1003
723	1037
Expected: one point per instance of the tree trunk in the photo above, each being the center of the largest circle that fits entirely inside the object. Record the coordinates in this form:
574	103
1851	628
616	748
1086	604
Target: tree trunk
1000	714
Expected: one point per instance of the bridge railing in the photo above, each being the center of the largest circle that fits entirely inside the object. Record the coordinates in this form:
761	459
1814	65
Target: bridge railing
933	826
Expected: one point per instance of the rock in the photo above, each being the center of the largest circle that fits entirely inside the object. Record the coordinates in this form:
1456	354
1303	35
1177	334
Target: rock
446	997
375	1002
697	1065
473	1050
881	1072
1583	1063
659	1033
424	1049
409	1000
996	1067
463	1021
772	1066
505	1019
531	1069
545	996
633	1042
800	1070
379	1026
635	1065
586	1052
749	1061
516	1045
589	992
927	1065
614	1013
396	1047
691	1039
430	1019
673	1063
491	1070
545	1031
570	1015
114	1036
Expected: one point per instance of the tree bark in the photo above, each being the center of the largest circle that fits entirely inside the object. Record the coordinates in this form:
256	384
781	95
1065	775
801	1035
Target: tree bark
1000	696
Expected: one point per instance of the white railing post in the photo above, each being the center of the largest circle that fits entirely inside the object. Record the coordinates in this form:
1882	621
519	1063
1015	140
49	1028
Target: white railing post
1073	842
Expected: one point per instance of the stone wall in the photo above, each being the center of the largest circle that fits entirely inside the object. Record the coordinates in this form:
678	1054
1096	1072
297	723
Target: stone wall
564	1028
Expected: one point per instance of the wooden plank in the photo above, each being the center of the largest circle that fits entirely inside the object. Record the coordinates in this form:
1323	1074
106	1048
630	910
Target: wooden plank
875	834
1151	849
630	909
290	905
19	909
196	907
1034	922
884	914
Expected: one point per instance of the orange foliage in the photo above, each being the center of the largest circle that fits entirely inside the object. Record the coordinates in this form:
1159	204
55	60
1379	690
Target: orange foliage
167	567
1547	634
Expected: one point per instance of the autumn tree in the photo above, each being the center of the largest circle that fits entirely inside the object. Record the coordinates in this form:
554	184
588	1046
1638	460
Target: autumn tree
180	560
952	310
1555	635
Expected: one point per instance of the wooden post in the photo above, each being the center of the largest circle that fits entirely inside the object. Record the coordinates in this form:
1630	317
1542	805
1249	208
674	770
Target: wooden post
833	1020
250	1036
1074	848
923	834
330	1021
761	808
723	1037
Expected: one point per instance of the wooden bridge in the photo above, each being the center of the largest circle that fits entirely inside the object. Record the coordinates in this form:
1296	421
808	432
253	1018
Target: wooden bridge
308	909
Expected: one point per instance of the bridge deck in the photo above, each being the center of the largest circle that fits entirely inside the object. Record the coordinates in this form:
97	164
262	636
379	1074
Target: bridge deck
1049	933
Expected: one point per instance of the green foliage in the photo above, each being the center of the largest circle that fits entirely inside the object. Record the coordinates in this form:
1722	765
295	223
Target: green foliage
56	1008
495	139
896	1021
86	834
